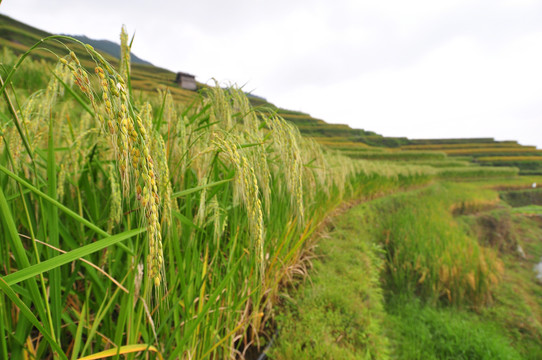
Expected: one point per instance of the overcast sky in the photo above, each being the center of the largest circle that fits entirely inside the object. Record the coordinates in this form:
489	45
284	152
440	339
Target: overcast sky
421	69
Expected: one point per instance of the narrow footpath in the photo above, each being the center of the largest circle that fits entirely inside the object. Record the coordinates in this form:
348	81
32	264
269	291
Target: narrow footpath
338	312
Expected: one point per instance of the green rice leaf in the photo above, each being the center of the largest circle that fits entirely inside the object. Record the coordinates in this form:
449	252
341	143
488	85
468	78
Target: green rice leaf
198	188
27	313
68	257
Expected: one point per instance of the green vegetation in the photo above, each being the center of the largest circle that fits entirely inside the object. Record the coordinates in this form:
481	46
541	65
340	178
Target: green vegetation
18	38
518	198
137	223
490	154
396	155
427	253
529	210
463	145
425	333
170	224
454	284
457	141
495	151
446	163
529	165
477	172
505	184
338	314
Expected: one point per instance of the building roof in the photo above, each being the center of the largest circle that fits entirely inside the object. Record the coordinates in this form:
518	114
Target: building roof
180	73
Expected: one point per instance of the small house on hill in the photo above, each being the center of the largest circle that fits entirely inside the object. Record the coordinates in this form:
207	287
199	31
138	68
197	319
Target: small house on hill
186	81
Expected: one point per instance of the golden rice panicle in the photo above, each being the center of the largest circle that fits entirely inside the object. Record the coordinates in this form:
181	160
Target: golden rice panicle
246	185
118	121
242	109
201	214
150	202
170	117
115	214
170	112
316	173
124	66
149	196
131	142
80	77
164	184
220	106
34	116
285	142
61	180
14	143
218	219
253	134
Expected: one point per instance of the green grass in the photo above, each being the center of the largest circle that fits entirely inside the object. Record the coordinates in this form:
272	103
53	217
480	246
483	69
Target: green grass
396	155
509	325
521	151
338	314
427	253
445	163
458	141
518	198
474	172
529	210
464	145
321	317
517	306
424	332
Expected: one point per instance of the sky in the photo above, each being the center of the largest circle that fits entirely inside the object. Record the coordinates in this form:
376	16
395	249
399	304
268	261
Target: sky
418	68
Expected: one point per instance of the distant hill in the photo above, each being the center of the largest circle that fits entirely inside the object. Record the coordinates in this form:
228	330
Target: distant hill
109	47
19	37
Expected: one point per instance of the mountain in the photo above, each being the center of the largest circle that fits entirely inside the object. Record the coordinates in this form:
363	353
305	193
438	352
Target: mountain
19	37
109	47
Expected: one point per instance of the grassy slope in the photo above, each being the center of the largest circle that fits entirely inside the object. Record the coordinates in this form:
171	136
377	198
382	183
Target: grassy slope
19	37
341	313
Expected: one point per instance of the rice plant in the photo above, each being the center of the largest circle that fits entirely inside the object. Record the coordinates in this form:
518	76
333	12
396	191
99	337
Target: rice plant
427	253
140	224
474	172
396	155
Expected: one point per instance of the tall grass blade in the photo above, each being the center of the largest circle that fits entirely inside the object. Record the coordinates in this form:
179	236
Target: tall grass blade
20	252
126	349
63	208
63	259
52	217
79	332
198	188
27	313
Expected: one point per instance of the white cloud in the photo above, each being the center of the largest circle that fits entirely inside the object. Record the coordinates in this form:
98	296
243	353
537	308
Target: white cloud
419	68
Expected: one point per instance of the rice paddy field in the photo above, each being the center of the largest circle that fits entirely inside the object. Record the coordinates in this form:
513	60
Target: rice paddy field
143	221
